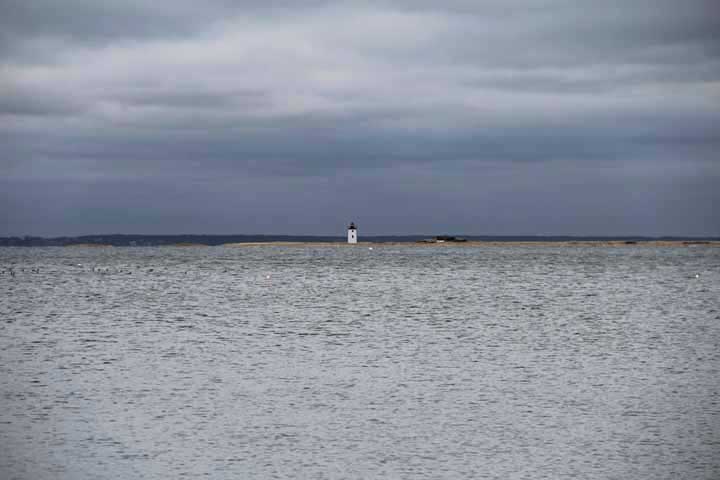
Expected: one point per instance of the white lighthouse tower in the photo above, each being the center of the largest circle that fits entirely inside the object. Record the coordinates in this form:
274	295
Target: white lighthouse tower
352	233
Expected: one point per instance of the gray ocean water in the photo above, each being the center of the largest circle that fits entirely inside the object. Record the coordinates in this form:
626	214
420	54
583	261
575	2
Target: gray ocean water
325	362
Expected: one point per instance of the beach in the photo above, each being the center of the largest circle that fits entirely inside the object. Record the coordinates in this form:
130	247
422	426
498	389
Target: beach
475	243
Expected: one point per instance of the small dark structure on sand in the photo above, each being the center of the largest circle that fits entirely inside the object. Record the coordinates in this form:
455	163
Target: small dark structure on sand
442	239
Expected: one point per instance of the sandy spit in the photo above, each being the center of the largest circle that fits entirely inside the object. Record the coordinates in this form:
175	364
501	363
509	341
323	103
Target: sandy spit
599	243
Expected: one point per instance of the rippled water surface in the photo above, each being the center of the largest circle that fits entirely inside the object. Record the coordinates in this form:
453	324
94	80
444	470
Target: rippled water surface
328	362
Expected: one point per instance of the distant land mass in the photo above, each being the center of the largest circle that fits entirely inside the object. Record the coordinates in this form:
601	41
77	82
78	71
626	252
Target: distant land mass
121	240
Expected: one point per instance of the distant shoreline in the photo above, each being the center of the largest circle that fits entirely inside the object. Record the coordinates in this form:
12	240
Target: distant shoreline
89	245
122	240
482	243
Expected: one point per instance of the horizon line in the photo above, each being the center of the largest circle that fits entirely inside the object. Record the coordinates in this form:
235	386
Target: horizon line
408	235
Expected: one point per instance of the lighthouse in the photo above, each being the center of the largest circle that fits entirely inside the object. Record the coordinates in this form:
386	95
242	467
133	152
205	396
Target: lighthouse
352	233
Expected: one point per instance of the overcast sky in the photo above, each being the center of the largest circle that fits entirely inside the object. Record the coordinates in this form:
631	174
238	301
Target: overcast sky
563	117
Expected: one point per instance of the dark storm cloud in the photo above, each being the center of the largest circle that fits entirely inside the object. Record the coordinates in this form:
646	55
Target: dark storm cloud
299	104
15	101
89	22
193	99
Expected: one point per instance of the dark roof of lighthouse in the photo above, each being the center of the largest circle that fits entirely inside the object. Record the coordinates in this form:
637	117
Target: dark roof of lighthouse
352	226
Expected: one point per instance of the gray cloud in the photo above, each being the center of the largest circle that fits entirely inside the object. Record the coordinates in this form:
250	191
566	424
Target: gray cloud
411	109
